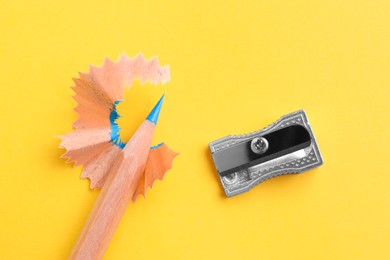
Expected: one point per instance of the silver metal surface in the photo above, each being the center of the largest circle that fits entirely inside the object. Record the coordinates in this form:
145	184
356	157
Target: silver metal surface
296	162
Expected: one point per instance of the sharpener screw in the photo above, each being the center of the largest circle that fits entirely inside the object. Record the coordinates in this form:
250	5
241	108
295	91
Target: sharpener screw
259	145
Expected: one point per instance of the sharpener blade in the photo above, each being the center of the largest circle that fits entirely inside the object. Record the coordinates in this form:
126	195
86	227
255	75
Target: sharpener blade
286	146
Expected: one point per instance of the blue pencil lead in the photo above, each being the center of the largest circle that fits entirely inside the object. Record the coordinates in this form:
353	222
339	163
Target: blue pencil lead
153	116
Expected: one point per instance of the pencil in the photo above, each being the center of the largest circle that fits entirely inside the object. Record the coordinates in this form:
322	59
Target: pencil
117	191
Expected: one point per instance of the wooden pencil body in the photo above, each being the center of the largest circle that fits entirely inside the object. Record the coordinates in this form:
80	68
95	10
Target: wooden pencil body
115	195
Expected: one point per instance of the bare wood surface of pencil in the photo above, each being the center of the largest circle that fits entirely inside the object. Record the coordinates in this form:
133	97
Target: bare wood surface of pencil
115	195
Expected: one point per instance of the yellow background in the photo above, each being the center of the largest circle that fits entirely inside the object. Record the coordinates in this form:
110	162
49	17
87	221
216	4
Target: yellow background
236	66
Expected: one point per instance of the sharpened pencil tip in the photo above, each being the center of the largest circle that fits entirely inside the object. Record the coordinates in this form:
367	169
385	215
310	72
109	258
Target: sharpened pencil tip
153	116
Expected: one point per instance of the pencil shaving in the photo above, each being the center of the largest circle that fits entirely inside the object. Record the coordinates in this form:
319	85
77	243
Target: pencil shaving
159	162
93	142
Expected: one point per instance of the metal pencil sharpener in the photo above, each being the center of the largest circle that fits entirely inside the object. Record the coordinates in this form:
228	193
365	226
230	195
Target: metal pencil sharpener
286	146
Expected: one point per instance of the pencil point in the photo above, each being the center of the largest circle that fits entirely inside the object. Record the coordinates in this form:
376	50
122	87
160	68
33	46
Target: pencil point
153	116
